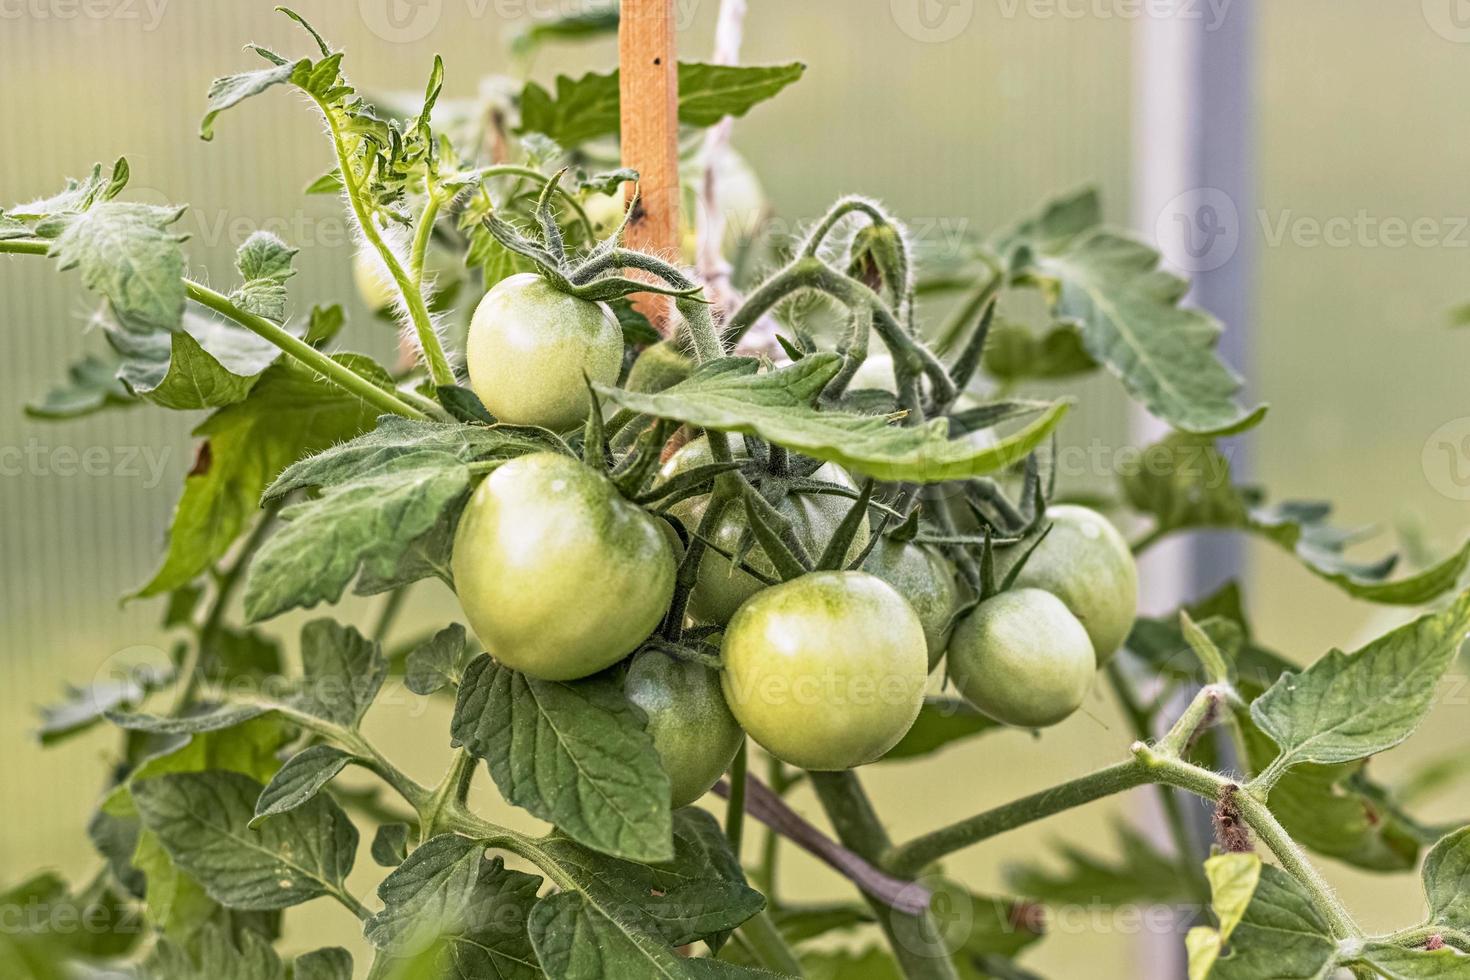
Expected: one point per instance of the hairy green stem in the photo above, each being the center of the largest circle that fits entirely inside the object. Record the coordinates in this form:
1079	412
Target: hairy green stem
840	210
515	170
909	859
413	297
334	371
421	237
1148	765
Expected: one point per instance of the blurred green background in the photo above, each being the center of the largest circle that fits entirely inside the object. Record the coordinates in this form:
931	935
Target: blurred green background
1359	112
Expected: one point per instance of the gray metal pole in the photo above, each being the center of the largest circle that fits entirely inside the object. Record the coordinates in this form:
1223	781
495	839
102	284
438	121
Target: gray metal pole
1194	194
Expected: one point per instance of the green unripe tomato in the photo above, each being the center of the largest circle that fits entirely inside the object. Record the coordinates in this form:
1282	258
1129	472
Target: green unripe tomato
721	586
1085	562
826	671
660	366
926	580
376	286
1022	658
558	575
530	346
692	728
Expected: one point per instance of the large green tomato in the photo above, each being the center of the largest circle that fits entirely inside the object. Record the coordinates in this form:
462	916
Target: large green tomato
1085	562
826	671
530	346
558	574
721	586
692	728
921	575
1022	658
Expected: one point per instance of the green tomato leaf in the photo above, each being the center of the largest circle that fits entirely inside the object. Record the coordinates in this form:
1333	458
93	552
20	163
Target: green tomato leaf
1268	926
941	722
213	954
1014	354
1335	811
1140	874
1447	880
85	706
203	821
394	437
231	90
264	262
207	363
343	672
1184	483
289	413
700	893
576	939
574	754
127	254
1349	706
730	395
331	963
437	663
586	108
448	891
390	844
300	779
91	385
78	196
1128	311
369	522
579	26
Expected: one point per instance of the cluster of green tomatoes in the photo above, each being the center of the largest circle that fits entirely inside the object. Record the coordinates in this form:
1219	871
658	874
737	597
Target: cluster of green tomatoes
561	577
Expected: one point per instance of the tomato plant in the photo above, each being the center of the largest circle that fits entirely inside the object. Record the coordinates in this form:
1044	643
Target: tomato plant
695	522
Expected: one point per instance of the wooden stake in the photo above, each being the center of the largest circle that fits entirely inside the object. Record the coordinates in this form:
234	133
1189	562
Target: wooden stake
649	91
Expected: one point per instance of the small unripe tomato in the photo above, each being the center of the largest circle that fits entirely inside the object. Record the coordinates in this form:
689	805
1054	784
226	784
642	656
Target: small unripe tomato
530	346
558	575
692	728
1022	658
721	587
1084	562
826	671
926	580
375	284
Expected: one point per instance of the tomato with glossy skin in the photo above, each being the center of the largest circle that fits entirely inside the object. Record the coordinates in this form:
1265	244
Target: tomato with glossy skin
692	728
558	575
530	346
1085	562
922	576
1022	658
721	586
826	671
